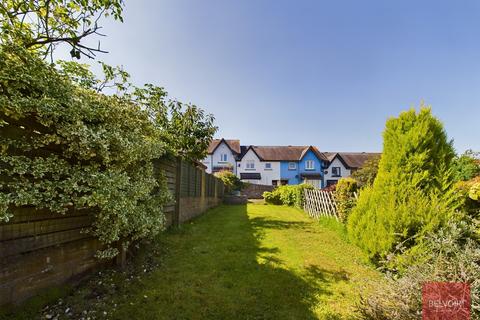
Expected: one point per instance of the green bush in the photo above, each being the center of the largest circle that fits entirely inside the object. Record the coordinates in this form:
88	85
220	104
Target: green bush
345	197
469	196
367	173
466	166
412	192
272	197
232	182
64	147
448	255
288	195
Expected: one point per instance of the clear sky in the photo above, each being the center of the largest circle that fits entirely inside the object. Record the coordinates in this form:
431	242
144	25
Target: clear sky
324	73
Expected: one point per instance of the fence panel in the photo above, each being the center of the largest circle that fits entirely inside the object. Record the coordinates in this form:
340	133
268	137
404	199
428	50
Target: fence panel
49	248
320	203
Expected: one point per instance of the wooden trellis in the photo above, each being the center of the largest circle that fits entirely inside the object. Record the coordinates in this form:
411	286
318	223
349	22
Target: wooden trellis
319	203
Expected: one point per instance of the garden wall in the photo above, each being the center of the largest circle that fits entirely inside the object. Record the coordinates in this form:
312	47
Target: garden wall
255	191
40	249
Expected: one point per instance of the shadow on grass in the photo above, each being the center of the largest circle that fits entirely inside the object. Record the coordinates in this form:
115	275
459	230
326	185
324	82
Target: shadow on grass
210	269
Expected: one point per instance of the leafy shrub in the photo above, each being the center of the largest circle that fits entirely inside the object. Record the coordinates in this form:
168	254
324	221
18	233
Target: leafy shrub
288	195
367	173
468	193
232	182
450	255
272	197
345	197
474	192
64	147
412	192
466	166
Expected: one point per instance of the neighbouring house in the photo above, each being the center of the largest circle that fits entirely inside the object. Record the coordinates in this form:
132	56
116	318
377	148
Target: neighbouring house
279	165
276	165
343	164
257	167
302	164
222	155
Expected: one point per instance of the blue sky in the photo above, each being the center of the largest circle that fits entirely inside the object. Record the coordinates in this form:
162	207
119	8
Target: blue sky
324	73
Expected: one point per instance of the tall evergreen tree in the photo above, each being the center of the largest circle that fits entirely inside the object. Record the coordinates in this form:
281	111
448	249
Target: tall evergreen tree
410	194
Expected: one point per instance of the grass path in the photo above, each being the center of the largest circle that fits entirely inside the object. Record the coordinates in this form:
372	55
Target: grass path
245	262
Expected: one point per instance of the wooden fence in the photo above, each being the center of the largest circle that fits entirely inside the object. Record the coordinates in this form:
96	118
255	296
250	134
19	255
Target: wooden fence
39	249
320	203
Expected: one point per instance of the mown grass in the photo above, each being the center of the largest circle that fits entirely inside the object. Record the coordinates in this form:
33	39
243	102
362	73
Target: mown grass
235	262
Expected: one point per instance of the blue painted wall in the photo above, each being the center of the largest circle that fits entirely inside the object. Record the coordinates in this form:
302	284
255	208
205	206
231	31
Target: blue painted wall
294	176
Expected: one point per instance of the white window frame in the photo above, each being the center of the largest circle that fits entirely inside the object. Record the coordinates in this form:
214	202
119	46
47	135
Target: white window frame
268	166
250	165
309	165
223	157
292	166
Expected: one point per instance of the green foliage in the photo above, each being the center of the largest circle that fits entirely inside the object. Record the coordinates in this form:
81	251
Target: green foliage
412	193
65	146
448	255
367	173
231	182
474	192
288	195
468	194
345	197
41	25
466	166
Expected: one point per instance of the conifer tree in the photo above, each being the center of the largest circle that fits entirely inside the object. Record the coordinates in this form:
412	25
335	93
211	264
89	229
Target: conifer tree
411	193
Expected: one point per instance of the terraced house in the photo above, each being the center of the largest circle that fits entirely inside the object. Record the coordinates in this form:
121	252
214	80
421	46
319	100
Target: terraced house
275	165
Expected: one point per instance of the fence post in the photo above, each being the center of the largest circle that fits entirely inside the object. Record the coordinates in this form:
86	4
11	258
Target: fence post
178	182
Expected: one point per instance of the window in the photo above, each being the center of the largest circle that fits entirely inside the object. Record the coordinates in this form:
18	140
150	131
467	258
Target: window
292	166
268	166
250	165
336	172
309	165
223	157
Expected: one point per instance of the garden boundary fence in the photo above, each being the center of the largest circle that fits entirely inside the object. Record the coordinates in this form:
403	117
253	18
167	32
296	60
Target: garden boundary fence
39	249
319	203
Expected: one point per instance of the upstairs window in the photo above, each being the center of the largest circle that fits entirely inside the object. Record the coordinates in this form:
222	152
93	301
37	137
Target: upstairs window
268	166
223	157
336	172
309	165
250	165
292	166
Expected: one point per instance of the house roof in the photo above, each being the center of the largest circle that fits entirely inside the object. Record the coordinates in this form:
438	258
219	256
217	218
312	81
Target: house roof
233	144
283	153
352	160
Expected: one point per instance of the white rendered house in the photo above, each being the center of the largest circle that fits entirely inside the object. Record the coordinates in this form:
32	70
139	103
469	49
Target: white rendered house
251	168
343	164
222	155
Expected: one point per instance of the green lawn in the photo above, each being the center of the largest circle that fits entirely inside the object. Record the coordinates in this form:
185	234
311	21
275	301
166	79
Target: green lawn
237	262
